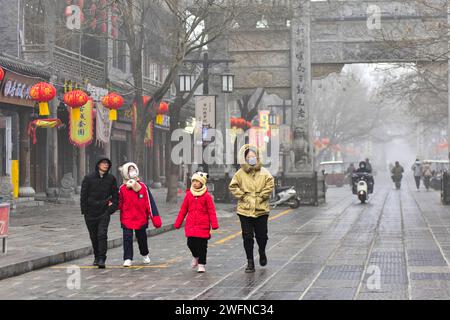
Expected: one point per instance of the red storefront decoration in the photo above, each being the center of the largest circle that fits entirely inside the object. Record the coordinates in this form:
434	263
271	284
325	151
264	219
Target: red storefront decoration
75	100
163	108
42	123
2	74
43	92
113	101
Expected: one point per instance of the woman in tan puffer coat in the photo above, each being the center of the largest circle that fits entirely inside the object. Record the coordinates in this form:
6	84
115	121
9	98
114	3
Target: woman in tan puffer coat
252	185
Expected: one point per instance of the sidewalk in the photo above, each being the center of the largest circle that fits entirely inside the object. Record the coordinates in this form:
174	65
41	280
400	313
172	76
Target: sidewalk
53	234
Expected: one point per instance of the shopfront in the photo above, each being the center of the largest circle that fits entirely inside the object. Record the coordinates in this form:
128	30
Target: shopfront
21	161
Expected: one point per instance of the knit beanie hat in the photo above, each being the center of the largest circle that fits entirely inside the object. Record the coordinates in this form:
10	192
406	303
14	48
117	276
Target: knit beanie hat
200	176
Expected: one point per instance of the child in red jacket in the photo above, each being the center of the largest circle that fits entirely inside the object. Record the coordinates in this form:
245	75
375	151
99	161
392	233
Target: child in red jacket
136	206
199	207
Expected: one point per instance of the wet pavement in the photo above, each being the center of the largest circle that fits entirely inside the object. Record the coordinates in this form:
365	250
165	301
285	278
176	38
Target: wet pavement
397	246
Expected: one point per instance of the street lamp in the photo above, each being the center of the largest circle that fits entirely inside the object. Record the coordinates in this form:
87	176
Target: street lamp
185	81
227	82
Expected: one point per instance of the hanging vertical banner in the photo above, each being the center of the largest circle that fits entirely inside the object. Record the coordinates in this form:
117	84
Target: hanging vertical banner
103	124
149	134
81	132
264	120
205	111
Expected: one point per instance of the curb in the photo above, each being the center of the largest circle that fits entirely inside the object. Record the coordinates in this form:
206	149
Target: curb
19	268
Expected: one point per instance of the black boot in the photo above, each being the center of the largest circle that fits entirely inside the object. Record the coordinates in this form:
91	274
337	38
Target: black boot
101	263
250	266
95	264
262	259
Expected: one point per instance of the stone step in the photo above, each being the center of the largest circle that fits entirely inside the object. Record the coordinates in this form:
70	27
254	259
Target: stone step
29	204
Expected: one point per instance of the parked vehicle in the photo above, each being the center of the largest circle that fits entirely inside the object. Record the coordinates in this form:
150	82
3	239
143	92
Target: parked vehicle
437	167
286	196
334	173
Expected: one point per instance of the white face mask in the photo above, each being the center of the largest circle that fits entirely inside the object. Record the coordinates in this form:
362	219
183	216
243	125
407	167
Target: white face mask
252	161
133	174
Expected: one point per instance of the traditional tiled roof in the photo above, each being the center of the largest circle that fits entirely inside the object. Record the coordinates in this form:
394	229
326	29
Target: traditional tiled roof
22	67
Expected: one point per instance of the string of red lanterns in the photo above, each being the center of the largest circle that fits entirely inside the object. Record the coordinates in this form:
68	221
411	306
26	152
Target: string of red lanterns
240	123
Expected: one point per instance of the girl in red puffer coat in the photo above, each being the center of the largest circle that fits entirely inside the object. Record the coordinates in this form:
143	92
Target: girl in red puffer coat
199	207
137	207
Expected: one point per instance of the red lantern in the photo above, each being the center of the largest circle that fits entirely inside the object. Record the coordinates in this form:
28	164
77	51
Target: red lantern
75	100
233	122
249	124
242	123
104	28
325	141
113	101
2	74
43	92
93	9
163	108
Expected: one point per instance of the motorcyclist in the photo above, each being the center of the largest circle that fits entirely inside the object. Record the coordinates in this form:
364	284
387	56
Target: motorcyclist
397	172
362	168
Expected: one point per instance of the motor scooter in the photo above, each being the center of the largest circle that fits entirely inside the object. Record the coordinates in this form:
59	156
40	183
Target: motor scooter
286	196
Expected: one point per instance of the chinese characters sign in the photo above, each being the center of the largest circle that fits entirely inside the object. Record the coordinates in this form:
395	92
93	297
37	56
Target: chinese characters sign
205	111
301	86
82	131
15	89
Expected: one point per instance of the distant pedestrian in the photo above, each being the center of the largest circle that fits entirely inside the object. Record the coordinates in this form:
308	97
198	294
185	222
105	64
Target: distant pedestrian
417	168
99	200
252	185
368	165
136	206
199	207
427	173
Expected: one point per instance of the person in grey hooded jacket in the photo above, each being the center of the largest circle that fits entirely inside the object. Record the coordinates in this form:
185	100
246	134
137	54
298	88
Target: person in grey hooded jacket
417	168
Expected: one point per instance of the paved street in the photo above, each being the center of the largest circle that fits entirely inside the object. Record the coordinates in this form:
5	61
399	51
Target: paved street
395	247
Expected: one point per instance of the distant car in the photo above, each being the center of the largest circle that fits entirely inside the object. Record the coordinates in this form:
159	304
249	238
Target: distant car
334	173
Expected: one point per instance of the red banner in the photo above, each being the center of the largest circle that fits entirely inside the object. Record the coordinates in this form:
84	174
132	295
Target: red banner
4	220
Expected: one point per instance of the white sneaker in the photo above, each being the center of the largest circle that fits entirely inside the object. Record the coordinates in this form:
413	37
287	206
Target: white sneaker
146	259
201	268
127	263
194	262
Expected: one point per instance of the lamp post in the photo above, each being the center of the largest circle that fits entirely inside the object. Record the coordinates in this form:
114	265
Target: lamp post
186	82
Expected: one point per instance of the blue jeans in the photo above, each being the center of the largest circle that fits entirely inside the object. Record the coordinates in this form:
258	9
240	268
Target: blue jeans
141	236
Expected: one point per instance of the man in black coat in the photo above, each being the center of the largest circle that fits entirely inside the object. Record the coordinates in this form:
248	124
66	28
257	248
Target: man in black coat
99	200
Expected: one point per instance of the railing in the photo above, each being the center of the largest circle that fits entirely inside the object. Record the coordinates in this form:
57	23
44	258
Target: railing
67	61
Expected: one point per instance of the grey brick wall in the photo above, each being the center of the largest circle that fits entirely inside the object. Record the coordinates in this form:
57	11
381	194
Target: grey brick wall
8	27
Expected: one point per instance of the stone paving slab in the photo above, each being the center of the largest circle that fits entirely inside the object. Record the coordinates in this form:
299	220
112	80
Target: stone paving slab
56	233
329	252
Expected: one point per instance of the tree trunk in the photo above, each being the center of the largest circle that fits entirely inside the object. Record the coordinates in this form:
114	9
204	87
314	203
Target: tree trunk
173	169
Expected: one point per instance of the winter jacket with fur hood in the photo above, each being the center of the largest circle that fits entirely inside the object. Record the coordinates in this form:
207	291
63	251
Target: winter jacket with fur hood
136	202
252	186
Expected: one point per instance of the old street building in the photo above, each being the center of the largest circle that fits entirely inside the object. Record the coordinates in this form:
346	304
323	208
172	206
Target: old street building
37	46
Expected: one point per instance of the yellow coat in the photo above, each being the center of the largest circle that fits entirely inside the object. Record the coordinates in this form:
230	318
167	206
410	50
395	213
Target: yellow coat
252	186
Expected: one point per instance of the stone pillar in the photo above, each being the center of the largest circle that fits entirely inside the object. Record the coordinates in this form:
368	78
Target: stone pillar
302	153
300	167
25	189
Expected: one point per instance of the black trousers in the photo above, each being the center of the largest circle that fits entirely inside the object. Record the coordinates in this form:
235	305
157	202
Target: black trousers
98	232
251	228
141	236
417	181
199	248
